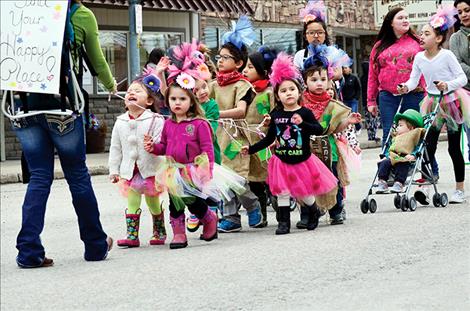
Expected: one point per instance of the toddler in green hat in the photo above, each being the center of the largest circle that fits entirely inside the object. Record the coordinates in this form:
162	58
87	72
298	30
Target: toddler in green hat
404	145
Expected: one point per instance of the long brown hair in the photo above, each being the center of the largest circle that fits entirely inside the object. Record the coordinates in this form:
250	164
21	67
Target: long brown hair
194	111
386	34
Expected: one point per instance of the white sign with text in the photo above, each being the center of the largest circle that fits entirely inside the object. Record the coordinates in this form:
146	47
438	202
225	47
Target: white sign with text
419	11
32	33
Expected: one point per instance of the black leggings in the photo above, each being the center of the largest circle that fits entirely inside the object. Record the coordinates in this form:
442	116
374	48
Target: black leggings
454	150
198	207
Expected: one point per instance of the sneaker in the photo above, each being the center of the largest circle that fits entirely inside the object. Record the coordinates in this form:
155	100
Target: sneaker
397	187
382	187
457	197
255	218
421	195
227	226
192	223
337	220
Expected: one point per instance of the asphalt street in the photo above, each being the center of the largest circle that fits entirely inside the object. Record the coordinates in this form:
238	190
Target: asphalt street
390	260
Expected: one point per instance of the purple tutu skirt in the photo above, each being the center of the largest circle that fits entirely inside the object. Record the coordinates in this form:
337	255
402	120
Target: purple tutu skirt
140	185
310	177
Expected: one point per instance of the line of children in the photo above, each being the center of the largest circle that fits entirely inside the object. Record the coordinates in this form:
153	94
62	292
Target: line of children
442	73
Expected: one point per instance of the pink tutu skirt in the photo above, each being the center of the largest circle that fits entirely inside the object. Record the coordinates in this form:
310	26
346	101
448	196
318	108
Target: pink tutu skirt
454	109
140	185
310	177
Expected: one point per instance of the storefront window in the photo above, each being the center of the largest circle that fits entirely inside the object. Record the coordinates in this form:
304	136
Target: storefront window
283	39
114	46
152	40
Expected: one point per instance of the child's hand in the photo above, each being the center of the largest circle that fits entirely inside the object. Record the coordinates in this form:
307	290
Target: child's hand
410	157
296	119
267	119
357	150
354	118
372	110
162	65
114	178
245	150
148	143
441	85
402	89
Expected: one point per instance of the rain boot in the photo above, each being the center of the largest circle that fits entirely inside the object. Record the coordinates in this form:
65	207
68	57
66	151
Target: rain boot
313	217
284	220
304	218
179	232
159	232
209	222
132	240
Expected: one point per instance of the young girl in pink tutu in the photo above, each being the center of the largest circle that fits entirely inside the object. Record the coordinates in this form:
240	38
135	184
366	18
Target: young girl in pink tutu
292	170
131	165
442	73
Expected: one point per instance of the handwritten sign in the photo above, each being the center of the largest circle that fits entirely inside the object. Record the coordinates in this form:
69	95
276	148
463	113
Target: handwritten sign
419	11
31	45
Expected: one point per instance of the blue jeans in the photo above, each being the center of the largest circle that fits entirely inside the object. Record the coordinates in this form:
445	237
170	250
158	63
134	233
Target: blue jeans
353	104
39	135
388	106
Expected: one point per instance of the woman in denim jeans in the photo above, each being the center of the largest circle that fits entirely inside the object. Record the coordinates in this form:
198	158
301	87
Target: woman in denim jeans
391	61
39	135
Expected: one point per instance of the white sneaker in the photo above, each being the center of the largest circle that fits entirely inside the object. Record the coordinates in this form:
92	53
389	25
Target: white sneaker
457	197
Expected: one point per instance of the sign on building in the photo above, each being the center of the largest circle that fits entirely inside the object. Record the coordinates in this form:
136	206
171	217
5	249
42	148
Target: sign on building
31	45
419	11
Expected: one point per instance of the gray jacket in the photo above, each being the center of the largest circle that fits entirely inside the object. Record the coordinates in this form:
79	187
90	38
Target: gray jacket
459	45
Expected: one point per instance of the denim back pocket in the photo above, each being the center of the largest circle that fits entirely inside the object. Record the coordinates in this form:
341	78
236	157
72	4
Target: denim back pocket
60	125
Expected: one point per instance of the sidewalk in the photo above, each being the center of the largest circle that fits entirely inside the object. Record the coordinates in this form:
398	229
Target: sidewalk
98	163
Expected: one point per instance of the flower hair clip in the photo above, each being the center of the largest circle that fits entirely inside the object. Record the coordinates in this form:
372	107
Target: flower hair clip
314	10
443	19
152	82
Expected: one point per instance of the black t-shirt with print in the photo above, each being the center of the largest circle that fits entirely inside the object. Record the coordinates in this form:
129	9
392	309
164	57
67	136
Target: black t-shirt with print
292	141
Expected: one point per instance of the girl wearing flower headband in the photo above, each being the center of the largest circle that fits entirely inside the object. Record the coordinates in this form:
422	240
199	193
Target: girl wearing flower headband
131	165
257	69
293	170
334	118
233	93
443	74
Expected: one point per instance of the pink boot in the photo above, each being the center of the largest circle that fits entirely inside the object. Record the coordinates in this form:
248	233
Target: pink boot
132	240
179	232
209	221
159	232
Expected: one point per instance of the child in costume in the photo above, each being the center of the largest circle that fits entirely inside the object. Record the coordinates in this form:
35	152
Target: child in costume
293	170
334	118
442	73
211	112
233	93
257	70
402	150
131	165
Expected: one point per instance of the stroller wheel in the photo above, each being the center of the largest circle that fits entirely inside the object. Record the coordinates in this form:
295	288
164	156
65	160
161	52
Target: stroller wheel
444	199
412	204
372	206
364	206
436	199
403	203
396	201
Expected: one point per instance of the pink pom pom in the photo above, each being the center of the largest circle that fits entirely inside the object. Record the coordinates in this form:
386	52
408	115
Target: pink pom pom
283	68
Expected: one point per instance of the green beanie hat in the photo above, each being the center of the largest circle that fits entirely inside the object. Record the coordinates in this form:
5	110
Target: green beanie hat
410	115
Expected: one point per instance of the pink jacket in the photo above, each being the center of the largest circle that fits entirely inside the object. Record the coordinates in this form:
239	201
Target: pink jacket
393	67
185	140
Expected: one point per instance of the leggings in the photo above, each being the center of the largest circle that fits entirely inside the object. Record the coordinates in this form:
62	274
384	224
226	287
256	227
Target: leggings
454	150
134	199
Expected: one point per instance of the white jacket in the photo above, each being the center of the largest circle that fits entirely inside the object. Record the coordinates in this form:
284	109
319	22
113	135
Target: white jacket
127	145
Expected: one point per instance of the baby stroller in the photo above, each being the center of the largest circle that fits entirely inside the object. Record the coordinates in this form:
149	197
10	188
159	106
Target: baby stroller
405	201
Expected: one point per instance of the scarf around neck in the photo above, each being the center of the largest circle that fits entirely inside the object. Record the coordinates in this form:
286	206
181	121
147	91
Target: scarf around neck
465	31
316	102
226	78
260	85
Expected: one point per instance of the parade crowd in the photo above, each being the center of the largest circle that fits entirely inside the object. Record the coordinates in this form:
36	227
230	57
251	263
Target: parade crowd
256	127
